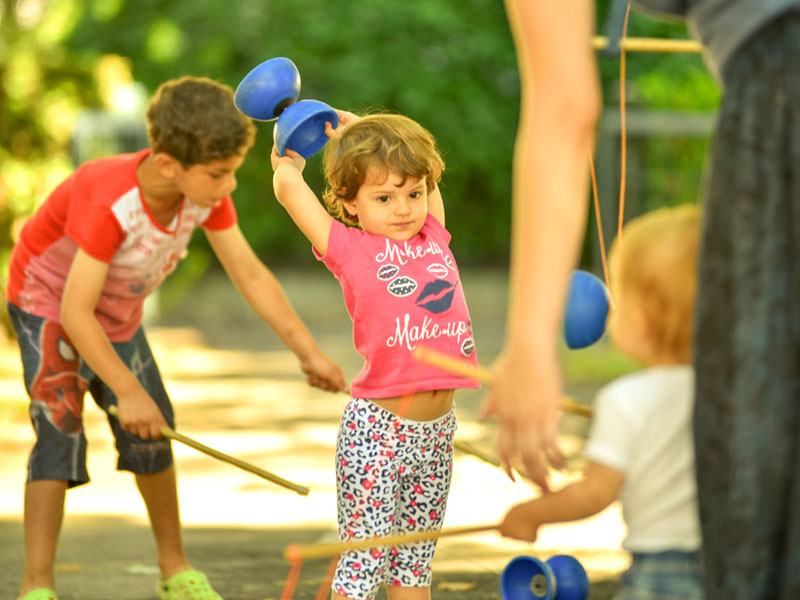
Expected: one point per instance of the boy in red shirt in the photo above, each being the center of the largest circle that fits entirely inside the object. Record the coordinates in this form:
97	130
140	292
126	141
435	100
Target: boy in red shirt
105	239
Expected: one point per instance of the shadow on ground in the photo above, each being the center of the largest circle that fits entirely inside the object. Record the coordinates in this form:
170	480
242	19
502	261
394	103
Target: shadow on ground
237	389
110	558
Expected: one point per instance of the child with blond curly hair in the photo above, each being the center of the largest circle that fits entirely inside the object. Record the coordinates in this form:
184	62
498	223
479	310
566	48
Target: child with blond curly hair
640	448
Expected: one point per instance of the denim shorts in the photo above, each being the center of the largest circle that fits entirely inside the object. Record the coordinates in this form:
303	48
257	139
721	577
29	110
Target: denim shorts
669	575
56	379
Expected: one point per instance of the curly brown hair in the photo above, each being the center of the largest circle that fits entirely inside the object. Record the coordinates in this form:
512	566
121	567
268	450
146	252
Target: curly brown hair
194	120
388	142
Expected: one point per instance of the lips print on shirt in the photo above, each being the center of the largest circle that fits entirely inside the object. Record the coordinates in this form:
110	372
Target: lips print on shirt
436	296
438	270
387	271
402	286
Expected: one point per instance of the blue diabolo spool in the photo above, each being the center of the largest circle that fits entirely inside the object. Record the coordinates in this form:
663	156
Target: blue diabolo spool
301	127
268	89
270	92
527	578
561	577
586	312
572	583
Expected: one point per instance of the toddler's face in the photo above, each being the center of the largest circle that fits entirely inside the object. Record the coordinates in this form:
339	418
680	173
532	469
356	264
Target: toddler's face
627	326
388	206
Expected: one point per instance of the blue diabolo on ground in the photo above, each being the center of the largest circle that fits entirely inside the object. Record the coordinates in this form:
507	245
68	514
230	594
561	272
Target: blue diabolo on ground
561	577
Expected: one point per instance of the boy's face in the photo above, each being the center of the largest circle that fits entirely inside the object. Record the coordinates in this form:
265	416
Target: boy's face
387	206
208	183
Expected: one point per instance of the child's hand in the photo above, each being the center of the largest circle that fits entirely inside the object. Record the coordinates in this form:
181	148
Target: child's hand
323	373
520	523
291	157
345	119
139	415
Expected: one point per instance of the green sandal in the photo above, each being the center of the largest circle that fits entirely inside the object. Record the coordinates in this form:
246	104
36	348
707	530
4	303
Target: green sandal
186	585
40	594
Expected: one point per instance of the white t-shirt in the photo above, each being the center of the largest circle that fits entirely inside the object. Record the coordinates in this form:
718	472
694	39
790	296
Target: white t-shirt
642	426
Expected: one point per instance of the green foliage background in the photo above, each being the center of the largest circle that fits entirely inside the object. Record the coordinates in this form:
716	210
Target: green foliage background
449	65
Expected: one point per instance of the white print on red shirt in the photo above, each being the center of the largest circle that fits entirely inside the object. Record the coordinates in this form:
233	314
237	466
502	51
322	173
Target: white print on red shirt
404	253
408	334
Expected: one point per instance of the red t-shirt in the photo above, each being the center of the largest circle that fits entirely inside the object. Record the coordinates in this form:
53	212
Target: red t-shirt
400	295
99	208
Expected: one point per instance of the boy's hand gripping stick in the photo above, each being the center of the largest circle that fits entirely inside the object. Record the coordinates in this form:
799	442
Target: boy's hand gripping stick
178	437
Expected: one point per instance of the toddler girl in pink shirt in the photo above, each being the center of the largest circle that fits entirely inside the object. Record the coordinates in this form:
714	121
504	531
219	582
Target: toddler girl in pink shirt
389	249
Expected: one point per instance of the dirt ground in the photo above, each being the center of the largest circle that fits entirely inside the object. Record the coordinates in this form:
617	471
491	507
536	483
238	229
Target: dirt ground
237	389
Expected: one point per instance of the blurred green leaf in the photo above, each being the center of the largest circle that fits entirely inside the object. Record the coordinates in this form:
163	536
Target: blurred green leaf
449	65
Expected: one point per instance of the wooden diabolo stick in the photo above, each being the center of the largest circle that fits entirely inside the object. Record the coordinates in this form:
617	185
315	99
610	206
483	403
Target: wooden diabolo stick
298	552
664	45
461	367
171	434
468	448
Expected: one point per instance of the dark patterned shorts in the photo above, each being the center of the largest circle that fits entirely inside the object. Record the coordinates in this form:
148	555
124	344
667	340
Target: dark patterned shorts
56	379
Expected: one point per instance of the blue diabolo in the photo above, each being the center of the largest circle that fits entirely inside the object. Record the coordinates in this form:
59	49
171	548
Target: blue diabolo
268	89
301	127
586	311
561	577
270	92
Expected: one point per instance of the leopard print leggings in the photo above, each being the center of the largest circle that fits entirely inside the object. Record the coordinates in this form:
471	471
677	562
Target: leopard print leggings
392	476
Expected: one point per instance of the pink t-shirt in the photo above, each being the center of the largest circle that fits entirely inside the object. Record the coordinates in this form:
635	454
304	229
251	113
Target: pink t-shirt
400	295
99	208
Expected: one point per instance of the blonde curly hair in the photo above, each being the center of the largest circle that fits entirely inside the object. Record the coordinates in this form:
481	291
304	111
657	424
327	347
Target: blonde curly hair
655	261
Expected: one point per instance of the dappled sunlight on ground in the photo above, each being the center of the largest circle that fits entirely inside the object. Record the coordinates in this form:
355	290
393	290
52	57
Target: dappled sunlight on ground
255	405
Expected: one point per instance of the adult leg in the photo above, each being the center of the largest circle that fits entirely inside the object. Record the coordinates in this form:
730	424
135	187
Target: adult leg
747	338
44	513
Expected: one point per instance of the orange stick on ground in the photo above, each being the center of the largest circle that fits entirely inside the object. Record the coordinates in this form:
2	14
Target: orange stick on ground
291	580
461	367
171	434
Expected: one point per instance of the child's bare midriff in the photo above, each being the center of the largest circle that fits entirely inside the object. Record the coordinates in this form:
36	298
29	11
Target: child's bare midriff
424	406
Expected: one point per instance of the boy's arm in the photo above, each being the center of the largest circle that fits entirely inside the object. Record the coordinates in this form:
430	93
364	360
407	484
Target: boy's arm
262	291
436	204
598	488
138	413
299	200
